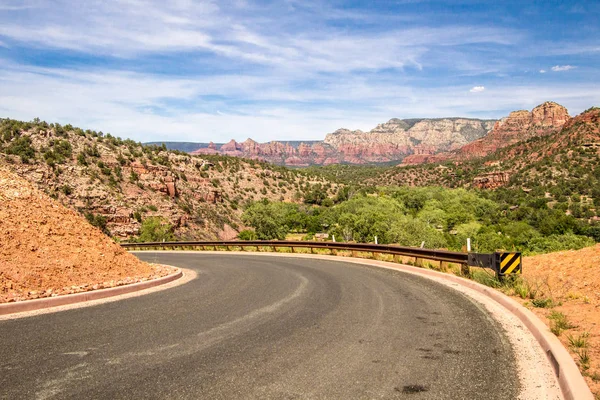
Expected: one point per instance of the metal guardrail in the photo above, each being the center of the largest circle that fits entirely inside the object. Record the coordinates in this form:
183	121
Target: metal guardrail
492	261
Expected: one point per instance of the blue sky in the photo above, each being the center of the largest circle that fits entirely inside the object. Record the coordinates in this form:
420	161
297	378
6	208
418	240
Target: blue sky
289	69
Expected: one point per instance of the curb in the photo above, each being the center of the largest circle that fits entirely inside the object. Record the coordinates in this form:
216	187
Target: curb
38	304
571	382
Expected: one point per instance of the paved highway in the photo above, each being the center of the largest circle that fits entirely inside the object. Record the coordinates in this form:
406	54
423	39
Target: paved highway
255	327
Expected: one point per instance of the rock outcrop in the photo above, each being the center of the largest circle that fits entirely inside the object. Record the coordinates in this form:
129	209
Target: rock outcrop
521	125
388	142
543	120
491	180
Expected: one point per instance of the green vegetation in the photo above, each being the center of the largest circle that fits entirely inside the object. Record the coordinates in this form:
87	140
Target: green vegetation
156	229
580	341
21	147
440	217
58	152
247	234
99	221
542	303
559	322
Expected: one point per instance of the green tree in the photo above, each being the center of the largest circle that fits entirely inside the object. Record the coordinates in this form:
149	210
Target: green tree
267	219
156	229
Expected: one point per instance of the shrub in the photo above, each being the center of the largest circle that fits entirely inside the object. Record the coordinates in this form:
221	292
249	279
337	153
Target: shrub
542	303
67	190
21	147
99	221
247	234
156	229
82	159
559	322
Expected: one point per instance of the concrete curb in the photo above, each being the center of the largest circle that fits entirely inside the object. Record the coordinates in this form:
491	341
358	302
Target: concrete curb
38	304
572	383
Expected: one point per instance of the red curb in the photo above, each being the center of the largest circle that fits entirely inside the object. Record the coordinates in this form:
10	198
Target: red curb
38	304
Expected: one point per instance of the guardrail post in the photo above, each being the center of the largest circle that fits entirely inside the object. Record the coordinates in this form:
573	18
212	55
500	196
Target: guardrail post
465	270
397	258
312	250
418	262
354	253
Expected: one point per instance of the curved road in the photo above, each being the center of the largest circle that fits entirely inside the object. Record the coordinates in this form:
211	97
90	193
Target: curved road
255	327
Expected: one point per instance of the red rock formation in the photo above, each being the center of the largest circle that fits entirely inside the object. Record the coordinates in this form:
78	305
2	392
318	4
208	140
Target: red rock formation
391	141
544	119
417	159
491	180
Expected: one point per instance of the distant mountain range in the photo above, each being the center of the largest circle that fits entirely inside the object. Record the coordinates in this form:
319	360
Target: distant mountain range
389	142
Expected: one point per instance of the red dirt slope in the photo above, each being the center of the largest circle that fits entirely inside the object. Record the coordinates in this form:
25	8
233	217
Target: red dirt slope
572	279
47	249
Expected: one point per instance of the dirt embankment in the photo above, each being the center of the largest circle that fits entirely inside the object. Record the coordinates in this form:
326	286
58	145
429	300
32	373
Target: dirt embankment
47	249
571	280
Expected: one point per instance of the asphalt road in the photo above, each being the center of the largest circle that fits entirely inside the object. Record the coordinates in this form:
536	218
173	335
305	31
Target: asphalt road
255	327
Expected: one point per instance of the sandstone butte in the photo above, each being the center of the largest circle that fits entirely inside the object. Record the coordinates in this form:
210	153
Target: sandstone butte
387	142
47	249
545	119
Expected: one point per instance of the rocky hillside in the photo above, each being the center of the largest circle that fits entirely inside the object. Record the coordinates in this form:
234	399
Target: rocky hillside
547	157
130	190
519	126
48	249
388	142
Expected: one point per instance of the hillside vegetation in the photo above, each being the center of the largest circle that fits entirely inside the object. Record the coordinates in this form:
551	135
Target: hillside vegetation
134	192
440	217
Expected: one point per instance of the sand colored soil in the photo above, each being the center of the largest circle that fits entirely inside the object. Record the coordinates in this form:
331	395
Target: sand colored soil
572	280
48	250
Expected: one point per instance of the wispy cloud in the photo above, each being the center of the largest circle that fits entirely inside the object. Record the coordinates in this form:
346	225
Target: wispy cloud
560	68
542	71
213	70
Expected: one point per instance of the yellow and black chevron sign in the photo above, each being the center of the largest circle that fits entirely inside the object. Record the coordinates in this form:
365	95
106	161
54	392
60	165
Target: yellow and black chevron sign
510	263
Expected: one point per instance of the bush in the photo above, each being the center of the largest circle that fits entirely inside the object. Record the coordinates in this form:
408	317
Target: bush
82	159
267	220
21	147
67	190
247	234
156	229
99	221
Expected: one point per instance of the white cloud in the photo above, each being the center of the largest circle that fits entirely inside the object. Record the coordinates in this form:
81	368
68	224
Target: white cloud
140	105
559	68
129	28
542	71
477	89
